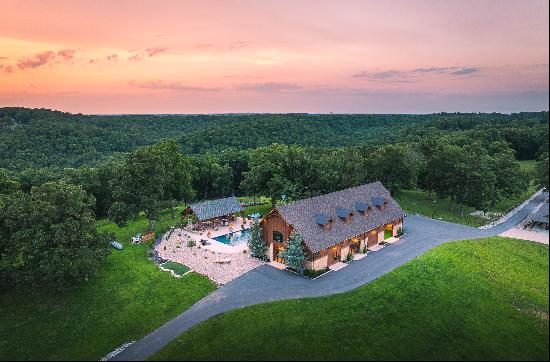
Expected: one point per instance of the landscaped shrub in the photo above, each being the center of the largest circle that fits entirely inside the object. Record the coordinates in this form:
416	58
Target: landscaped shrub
400	232
191	243
294	254
311	273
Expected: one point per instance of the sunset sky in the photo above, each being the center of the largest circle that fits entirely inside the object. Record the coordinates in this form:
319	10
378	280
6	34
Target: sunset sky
275	56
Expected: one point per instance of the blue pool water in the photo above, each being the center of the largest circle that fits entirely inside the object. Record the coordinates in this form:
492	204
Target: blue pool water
234	238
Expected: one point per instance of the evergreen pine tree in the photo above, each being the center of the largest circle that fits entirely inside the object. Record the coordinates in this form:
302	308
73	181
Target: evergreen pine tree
294	255
256	243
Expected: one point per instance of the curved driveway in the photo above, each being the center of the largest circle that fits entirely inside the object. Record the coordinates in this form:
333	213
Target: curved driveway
266	284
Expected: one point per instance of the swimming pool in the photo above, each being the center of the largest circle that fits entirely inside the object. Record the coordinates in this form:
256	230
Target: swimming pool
234	237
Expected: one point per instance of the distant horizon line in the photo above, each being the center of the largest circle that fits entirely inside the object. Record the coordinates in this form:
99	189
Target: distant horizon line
273	113
306	113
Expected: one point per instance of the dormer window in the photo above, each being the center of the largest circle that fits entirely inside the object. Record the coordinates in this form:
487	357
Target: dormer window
379	202
344	214
362	207
323	220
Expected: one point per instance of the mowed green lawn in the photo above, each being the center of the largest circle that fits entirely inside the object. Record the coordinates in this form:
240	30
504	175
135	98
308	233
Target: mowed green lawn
130	298
418	202
482	299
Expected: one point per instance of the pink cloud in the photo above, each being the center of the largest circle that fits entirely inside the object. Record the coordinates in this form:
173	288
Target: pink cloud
154	51
66	54
270	87
173	86
36	60
6	68
136	57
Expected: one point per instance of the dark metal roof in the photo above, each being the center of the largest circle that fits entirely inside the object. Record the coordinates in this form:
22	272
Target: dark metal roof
215	208
301	215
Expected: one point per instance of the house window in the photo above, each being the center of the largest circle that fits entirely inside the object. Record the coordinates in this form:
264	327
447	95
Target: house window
277	237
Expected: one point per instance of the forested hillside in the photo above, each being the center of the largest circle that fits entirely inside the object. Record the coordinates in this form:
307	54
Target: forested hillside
43	138
37	138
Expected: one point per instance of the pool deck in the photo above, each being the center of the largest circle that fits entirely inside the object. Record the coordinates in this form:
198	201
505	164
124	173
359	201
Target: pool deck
221	263
215	245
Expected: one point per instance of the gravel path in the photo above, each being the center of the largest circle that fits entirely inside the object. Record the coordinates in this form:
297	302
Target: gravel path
266	284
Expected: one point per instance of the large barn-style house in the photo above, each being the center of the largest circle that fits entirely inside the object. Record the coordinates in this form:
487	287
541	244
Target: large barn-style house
334	225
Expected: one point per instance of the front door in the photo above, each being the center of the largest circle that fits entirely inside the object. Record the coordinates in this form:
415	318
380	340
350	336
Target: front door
372	239
334	255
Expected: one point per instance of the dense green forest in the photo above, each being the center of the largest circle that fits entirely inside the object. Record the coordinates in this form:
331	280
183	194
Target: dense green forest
59	171
37	138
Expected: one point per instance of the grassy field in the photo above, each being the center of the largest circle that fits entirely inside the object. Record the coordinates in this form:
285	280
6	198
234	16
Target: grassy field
485	299
418	202
130	298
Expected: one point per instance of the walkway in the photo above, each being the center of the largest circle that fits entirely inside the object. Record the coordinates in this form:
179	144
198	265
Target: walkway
267	284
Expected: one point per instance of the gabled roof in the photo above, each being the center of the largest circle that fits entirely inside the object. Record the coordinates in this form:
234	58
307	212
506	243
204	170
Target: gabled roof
302	215
215	208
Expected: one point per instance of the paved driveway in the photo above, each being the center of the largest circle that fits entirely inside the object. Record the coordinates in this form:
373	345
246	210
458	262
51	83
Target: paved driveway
266	284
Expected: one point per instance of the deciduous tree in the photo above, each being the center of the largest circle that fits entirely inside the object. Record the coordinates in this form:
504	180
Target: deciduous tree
52	236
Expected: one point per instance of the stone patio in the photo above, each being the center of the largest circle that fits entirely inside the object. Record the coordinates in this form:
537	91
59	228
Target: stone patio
219	264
